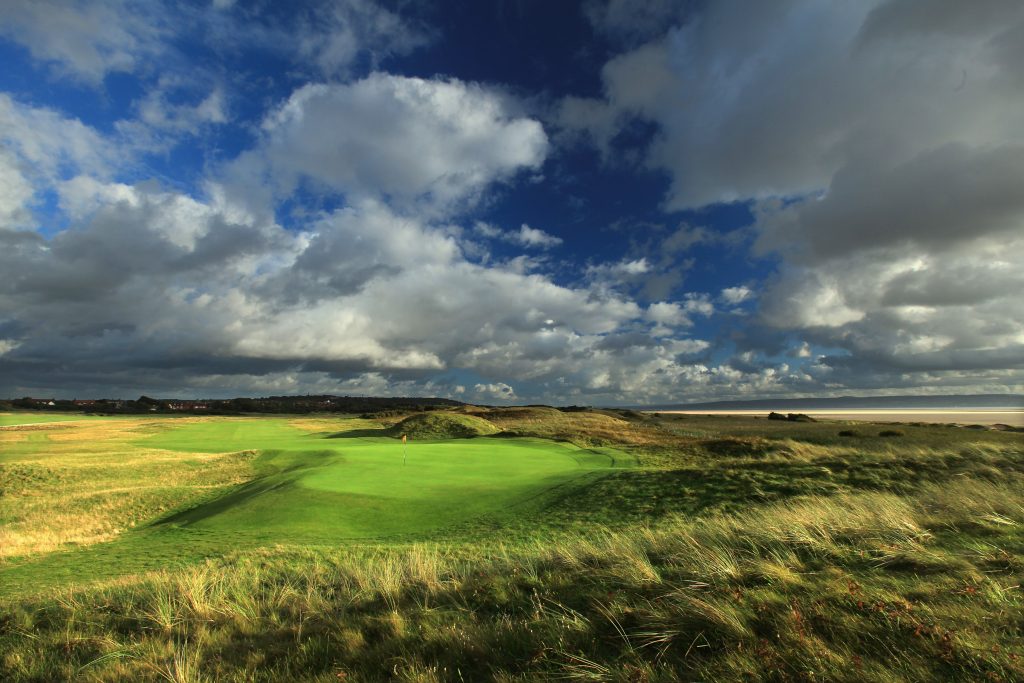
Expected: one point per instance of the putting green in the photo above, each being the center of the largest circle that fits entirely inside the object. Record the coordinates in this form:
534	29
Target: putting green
322	487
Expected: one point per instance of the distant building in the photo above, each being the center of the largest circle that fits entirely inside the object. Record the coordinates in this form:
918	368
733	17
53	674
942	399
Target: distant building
188	405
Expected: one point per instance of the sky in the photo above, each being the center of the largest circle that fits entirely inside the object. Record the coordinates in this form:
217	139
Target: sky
605	202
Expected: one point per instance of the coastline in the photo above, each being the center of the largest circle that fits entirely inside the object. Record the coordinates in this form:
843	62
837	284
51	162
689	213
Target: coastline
986	416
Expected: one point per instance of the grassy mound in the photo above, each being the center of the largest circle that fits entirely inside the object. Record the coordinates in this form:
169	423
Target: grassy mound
443	426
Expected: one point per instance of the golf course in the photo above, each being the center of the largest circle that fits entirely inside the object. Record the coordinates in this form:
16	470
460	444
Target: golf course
307	482
507	544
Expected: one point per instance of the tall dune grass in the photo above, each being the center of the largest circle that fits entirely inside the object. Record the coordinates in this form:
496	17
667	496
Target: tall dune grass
851	587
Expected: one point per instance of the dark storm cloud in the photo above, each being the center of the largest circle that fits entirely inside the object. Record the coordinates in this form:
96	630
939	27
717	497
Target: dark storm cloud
952	194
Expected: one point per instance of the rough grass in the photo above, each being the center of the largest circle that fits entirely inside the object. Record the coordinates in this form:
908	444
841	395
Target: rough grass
865	587
70	484
742	549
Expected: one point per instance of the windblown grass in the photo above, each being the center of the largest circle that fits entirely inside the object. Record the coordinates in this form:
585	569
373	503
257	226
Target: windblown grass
870	586
740	550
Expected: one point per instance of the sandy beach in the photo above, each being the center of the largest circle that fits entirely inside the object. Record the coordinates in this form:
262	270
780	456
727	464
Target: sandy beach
1008	416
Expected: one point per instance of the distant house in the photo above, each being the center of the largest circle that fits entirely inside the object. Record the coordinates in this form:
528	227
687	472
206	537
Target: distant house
188	405
84	402
41	401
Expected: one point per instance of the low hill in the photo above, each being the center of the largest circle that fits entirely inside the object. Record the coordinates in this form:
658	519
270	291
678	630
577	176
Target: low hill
443	426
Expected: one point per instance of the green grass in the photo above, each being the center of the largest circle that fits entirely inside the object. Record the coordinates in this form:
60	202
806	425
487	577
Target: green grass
311	488
591	546
7	419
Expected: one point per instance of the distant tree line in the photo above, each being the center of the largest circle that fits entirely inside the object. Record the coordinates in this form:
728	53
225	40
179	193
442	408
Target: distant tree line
233	406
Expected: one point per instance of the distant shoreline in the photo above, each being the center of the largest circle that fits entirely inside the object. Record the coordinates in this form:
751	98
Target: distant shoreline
987	416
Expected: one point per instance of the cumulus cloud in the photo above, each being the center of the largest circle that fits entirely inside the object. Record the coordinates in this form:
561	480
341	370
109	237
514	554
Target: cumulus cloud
737	295
497	390
15	193
882	153
39	148
406	139
152	288
85	40
668	314
48	144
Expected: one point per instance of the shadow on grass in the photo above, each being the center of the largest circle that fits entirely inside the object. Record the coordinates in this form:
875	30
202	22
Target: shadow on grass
643	494
226	502
360	434
275	470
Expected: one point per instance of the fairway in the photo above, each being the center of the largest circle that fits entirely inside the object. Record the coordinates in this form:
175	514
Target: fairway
331	486
12	419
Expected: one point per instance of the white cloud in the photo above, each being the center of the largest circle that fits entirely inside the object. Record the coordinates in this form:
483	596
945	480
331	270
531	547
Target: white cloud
737	295
497	390
155	110
524	237
86	40
699	304
173	287
668	314
407	139
51	145
15	193
533	237
619	270
39	148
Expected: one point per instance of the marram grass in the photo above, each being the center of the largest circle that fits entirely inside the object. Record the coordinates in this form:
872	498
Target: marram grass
846	588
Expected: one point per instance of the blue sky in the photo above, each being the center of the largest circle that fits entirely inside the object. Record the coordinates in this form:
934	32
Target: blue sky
601	202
